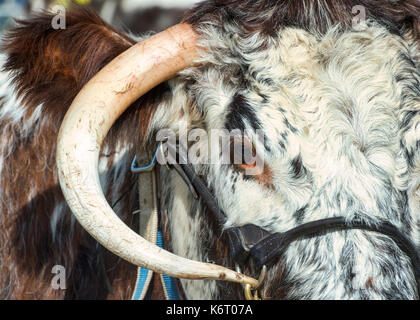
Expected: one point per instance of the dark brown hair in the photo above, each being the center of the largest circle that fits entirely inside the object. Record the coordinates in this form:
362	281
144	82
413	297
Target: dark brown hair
267	16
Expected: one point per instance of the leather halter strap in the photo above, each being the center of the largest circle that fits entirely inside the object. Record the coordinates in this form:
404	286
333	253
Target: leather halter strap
253	242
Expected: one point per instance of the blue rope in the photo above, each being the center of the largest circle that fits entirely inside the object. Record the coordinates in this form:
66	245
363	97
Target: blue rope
170	283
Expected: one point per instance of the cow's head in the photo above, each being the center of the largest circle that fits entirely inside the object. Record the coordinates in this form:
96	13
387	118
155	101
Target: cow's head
325	102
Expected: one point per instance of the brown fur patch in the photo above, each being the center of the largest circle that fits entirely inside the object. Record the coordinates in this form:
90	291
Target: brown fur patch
49	67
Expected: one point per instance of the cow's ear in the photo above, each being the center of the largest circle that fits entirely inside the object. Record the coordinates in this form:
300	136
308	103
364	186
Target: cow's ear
50	66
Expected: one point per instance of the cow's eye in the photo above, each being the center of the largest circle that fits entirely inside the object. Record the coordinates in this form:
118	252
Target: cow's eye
242	153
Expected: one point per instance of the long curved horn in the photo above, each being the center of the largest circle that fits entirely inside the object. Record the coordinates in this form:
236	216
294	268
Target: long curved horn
95	109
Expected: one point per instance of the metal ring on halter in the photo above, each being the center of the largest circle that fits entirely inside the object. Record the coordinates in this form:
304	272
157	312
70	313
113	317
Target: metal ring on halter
249	295
248	290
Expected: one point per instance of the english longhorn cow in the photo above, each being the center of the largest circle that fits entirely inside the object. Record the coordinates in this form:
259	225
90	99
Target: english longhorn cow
337	99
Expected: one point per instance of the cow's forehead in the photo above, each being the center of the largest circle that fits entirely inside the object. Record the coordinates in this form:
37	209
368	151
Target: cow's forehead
285	84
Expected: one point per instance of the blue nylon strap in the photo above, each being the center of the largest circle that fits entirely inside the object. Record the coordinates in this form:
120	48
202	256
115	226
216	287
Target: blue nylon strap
170	284
141	283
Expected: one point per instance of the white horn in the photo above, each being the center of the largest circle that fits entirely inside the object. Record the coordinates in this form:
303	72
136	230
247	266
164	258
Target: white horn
95	109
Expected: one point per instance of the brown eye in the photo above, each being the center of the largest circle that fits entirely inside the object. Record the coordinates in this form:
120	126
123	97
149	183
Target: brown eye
242	153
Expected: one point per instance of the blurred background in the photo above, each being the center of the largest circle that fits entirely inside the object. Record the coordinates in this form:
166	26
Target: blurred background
137	16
